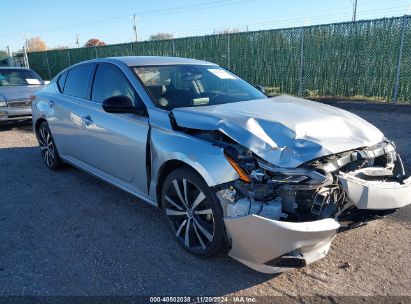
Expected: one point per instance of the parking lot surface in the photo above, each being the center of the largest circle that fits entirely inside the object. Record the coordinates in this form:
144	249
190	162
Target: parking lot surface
68	233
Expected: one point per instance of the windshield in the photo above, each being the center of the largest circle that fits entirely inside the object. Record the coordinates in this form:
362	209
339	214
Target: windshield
16	77
175	86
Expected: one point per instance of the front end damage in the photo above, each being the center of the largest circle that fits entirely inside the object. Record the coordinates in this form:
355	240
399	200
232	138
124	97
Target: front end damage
306	170
279	218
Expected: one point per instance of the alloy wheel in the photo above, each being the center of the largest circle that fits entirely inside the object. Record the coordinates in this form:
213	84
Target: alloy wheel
47	147
190	213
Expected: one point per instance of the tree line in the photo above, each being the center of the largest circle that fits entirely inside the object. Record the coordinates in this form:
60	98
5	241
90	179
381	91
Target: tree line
37	44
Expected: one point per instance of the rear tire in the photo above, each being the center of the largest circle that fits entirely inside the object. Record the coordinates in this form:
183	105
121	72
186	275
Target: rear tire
194	212
48	148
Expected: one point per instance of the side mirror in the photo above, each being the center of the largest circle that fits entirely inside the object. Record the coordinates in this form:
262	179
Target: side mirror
260	88
119	104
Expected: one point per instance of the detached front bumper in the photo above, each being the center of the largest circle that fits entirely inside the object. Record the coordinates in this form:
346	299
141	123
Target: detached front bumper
257	241
14	113
374	194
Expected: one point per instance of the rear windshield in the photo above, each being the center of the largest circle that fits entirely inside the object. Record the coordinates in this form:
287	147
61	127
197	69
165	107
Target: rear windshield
15	77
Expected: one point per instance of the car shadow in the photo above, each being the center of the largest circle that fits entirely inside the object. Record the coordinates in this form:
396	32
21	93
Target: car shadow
68	232
23	125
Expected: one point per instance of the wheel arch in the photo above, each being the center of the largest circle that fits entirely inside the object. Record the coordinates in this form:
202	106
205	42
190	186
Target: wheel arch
165	169
38	123
171	150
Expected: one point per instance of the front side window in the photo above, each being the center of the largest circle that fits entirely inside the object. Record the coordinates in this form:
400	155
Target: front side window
176	86
109	82
19	77
77	81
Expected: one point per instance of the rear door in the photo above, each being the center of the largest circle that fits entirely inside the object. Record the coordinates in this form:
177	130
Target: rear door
66	122
114	145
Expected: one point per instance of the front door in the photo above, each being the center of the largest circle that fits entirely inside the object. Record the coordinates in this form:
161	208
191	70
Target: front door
114	145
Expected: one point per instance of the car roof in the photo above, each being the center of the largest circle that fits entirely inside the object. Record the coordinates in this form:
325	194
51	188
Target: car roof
153	60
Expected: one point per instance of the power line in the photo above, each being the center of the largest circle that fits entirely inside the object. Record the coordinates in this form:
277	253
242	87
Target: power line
180	9
289	22
293	22
272	24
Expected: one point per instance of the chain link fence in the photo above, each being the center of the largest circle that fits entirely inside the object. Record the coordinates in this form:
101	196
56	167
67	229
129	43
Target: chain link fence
364	59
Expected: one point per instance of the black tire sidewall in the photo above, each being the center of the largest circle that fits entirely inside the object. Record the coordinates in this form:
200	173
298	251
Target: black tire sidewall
58	163
218	243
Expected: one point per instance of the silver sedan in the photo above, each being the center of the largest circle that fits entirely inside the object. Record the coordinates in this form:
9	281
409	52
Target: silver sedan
270	181
17	85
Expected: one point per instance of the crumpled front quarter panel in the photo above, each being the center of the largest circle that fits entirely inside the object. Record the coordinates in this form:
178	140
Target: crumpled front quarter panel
206	159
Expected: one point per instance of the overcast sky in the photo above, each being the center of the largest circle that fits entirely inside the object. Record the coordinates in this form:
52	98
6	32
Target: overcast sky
58	22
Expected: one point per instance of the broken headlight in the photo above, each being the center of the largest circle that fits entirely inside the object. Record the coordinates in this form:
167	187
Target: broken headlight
252	169
277	175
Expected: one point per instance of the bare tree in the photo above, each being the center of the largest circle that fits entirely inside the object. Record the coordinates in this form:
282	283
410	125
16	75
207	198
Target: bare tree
36	44
60	47
161	36
229	31
94	42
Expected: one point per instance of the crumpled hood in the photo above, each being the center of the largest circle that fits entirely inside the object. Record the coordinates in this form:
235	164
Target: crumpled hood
18	92
283	130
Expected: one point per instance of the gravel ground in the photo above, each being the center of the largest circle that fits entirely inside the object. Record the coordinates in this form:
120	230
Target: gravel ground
67	233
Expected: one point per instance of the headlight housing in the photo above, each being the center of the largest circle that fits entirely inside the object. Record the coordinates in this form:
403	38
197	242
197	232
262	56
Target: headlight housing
3	104
293	175
257	172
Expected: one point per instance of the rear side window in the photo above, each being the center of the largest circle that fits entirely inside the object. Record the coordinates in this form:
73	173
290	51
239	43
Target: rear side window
61	81
109	82
77	81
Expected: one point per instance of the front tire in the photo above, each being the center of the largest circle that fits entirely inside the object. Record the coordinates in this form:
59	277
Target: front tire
48	148
194	213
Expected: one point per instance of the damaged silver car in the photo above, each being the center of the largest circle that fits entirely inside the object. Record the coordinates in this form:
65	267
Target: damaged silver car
268	180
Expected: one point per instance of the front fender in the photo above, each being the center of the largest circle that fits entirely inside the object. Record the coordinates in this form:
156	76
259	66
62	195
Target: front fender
204	157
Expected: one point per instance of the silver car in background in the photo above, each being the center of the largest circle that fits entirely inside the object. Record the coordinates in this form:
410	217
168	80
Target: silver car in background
17	85
268	180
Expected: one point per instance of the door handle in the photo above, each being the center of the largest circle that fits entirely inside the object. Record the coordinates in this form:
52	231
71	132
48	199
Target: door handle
51	103
87	120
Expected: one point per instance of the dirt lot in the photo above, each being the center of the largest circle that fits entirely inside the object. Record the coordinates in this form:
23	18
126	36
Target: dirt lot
67	233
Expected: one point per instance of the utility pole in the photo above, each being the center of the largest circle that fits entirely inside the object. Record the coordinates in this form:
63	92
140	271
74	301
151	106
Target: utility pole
77	41
8	52
134	26
26	44
354	14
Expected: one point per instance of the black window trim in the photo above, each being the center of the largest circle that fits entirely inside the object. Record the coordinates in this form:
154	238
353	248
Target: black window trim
61	90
